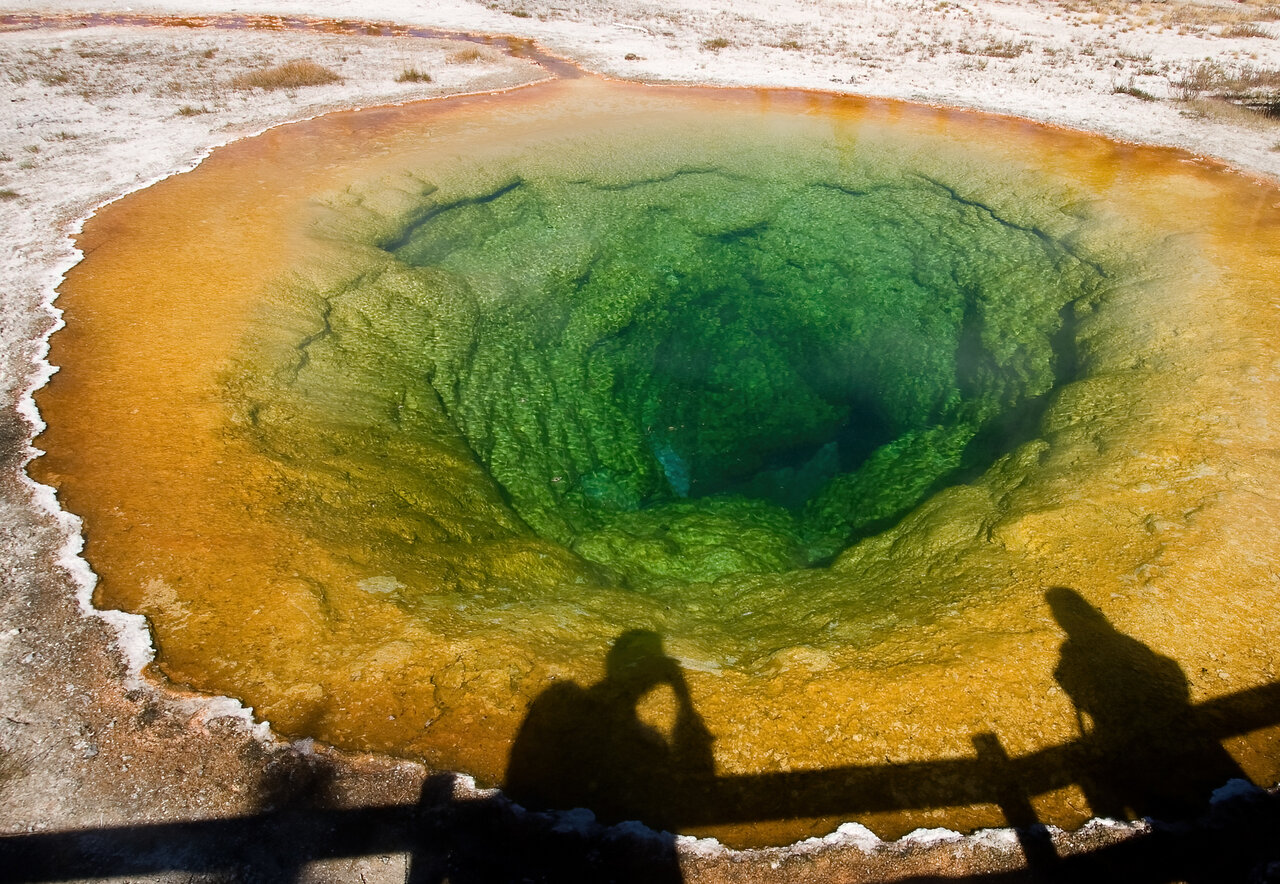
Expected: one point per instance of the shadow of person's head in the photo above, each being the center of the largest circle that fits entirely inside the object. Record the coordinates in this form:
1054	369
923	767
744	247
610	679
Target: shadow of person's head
1077	617
637	663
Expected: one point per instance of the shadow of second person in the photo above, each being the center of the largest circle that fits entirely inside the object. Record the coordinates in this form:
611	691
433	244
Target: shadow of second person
589	747
1144	749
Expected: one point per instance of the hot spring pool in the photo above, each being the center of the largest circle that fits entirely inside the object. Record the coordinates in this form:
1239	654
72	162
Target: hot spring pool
392	420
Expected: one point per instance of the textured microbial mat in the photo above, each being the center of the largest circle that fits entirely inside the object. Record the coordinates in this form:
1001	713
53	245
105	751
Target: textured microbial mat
759	427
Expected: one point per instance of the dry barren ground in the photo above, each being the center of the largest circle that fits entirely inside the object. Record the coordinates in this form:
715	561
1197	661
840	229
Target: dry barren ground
91	113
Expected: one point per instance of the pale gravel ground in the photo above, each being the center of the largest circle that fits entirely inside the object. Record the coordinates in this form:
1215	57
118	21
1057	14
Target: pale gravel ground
90	114
1064	70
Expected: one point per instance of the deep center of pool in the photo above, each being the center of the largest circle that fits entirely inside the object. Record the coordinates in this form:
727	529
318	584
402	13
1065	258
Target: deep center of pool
715	372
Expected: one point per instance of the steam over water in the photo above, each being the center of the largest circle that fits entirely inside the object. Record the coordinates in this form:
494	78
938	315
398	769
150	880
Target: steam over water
433	404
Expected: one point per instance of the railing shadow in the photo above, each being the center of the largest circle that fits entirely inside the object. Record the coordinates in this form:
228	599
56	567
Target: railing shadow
489	840
1144	750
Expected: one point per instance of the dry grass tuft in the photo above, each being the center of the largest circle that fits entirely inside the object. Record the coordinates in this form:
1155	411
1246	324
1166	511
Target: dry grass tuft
1223	111
1184	17
1130	89
469	55
1201	16
290	75
716	44
996	48
1247	86
8	194
413	75
1244	29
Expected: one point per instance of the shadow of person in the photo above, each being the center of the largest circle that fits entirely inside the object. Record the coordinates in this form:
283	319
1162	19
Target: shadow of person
1144	750
588	747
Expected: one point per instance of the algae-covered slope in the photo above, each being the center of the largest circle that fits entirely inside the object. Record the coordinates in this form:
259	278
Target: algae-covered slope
714	359
434	404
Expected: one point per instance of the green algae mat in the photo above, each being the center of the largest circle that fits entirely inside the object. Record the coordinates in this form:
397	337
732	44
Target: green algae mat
392	420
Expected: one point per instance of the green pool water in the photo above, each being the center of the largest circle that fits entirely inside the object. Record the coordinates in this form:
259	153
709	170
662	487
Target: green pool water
657	365
720	372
